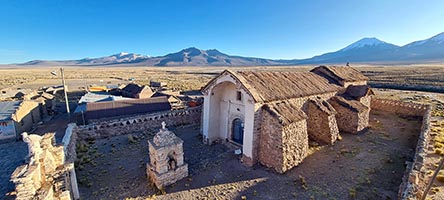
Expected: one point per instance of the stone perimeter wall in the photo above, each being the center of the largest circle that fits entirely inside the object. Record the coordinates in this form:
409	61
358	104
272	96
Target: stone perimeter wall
399	107
414	180
139	123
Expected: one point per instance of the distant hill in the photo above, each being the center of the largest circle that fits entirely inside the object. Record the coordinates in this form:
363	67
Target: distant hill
377	51
366	50
113	59
196	57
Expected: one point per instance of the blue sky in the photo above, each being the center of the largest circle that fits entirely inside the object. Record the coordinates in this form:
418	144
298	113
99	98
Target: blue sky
74	29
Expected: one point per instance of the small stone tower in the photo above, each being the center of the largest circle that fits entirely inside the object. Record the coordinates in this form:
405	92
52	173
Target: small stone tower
166	159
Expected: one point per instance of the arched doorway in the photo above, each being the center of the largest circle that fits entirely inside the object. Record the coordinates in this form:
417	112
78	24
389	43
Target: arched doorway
237	132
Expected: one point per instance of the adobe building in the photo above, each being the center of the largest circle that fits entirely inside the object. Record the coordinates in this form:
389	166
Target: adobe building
133	90
271	115
17	117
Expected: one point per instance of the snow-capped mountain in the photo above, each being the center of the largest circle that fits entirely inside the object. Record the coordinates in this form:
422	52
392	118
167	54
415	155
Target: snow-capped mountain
429	49
437	39
377	51
119	58
364	50
368	43
116	58
197	57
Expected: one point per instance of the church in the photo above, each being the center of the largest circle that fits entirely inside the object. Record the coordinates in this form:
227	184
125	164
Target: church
271	115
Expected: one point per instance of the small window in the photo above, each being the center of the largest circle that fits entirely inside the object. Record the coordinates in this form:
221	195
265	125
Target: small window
239	95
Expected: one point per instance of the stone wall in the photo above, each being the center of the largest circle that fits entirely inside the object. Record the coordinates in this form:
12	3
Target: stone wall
44	176
398	107
69	142
301	103
139	123
69	147
295	144
415	179
348	120
348	83
270	144
256	135
282	147
366	100
321	124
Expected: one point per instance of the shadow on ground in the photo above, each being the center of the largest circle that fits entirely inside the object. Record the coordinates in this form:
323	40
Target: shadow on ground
365	166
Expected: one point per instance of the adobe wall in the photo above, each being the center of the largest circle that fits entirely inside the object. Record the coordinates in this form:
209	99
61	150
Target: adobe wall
27	115
415	179
139	123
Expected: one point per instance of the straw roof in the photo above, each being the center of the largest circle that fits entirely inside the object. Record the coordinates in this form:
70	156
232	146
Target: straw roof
273	86
358	91
323	105
353	105
285	112
342	73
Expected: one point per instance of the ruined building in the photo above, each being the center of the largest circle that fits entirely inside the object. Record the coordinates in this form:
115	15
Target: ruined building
46	175
271	115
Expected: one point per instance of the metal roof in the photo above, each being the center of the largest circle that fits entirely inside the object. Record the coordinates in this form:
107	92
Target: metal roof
126	107
94	97
8	108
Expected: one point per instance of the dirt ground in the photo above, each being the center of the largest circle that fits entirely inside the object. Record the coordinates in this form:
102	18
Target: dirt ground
437	132
364	166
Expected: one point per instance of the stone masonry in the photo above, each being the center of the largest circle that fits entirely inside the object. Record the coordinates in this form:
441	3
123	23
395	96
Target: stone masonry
287	143
321	122
138	123
44	176
352	116
166	159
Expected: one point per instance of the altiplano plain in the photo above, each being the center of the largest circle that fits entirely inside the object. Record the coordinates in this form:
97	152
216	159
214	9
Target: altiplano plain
374	160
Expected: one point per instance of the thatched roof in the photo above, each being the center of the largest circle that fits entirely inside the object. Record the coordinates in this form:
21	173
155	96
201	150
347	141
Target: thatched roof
250	90
285	112
353	105
358	91
273	86
343	73
323	105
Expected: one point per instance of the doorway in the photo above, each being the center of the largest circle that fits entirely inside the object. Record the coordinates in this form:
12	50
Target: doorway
238	131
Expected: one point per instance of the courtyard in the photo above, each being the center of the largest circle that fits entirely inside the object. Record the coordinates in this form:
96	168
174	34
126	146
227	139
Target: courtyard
364	166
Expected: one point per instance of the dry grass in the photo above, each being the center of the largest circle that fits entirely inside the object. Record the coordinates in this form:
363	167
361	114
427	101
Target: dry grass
412	77
421	77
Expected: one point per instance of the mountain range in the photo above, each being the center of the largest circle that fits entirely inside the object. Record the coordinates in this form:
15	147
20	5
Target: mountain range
366	50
